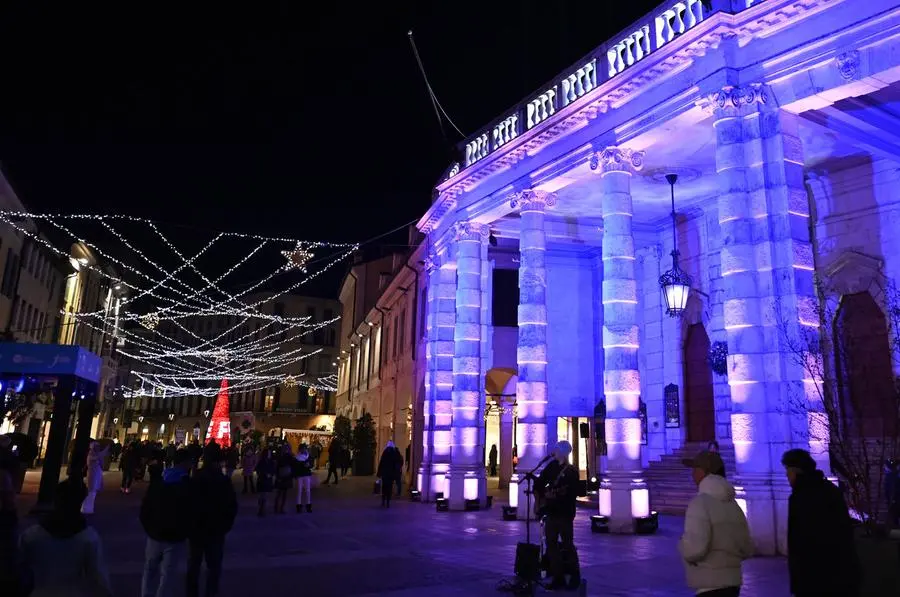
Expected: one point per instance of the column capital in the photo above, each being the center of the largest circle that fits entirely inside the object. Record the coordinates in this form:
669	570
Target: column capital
470	231
730	99
532	200
617	159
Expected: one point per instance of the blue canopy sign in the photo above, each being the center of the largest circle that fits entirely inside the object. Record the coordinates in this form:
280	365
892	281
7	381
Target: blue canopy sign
49	359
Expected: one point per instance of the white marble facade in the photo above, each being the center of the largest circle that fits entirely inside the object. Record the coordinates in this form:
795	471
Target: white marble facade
780	119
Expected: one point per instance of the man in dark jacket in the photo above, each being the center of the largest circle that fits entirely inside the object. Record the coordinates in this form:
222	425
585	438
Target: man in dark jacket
167	522
822	557
214	508
558	487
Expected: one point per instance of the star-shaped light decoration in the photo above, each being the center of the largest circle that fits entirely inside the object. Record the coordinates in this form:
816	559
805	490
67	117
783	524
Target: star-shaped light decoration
311	392
150	321
297	258
221	357
290	382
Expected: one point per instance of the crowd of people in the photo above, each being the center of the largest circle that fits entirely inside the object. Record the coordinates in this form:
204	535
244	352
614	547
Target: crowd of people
191	504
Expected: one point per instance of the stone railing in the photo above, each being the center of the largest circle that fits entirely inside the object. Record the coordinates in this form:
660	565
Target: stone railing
666	23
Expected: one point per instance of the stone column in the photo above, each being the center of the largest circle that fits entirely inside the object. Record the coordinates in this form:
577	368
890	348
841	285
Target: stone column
623	493
506	443
767	277
531	352
468	480
438	411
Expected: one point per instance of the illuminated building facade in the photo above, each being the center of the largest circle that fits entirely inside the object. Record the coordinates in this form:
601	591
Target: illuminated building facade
779	118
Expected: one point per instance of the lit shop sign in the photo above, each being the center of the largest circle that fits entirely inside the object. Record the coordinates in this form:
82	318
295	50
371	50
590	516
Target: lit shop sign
648	35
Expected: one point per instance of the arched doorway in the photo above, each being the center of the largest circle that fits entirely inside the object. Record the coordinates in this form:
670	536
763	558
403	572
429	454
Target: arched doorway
864	369
499	420
699	400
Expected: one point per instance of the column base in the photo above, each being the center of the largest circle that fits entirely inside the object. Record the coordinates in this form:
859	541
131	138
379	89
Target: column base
624	499
764	499
432	481
468	487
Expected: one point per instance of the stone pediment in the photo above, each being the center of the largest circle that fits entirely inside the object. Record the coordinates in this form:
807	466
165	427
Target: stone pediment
852	272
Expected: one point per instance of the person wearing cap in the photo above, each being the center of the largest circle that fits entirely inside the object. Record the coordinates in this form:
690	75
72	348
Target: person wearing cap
716	537
820	532
558	486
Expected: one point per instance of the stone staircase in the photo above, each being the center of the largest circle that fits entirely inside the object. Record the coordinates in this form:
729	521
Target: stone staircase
670	482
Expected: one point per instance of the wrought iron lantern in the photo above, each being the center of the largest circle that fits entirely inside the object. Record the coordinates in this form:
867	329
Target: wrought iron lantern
675	283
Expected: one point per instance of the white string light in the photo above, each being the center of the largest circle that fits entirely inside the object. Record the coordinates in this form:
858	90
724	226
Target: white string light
255	350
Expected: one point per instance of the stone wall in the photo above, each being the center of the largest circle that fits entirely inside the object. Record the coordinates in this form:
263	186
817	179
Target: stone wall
570	341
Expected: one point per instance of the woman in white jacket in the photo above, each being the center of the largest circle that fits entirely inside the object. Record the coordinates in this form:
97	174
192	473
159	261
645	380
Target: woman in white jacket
94	476
716	536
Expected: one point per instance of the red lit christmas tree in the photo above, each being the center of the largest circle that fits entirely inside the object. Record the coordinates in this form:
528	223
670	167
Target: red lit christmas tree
220	421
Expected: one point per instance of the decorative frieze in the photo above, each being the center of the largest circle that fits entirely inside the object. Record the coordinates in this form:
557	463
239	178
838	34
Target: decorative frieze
617	159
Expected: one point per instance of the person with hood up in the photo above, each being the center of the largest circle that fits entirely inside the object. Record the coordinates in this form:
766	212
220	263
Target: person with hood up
820	533
167	522
213	510
389	467
304	478
716	537
94	475
62	553
248	466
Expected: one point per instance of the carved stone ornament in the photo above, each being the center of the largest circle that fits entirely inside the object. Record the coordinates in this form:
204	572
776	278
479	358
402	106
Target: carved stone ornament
532	200
617	159
848	64
733	98
463	231
431	263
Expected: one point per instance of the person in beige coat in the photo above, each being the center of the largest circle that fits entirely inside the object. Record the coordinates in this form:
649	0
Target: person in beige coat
716	537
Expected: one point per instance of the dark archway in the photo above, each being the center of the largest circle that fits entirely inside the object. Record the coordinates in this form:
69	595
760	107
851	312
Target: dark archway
699	400
863	365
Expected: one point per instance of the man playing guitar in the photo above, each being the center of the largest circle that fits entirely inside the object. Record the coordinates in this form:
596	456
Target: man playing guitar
557	490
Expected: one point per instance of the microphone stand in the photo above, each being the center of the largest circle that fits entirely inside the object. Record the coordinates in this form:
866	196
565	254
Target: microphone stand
530	571
529	490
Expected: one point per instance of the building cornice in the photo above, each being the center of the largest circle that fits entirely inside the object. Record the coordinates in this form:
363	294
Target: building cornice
649	70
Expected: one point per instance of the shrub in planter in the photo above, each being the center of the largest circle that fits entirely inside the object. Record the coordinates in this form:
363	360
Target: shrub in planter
363	445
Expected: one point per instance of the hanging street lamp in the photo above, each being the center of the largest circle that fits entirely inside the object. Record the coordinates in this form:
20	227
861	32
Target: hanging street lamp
675	283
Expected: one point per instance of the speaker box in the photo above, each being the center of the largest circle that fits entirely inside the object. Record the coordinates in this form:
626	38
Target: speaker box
528	561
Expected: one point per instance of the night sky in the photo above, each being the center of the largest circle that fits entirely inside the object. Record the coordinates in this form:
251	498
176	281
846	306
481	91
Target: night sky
277	118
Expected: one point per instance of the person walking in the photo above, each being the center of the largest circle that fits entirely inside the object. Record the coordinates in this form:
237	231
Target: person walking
284	477
128	464
248	467
62	554
213	509
315	450
304	479
388	467
265	479
11	581
820	533
335	454
716	537
232	457
492	460
167	523
558	486
170	454
94	475
345	461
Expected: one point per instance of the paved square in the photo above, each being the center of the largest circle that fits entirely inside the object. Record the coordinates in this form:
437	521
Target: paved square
350	546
